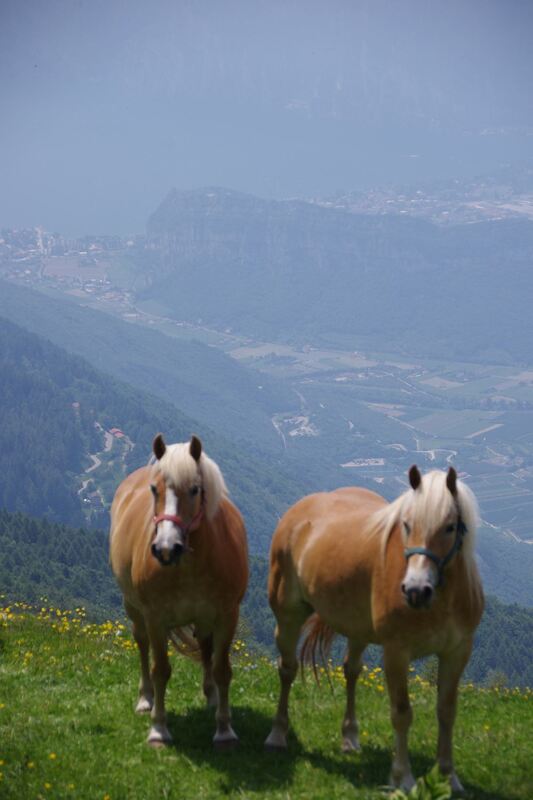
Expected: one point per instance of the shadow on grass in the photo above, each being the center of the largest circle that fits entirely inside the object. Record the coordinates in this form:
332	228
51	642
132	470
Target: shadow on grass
249	767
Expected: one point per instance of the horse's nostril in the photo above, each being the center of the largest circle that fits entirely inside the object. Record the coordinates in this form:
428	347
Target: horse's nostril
403	588
154	550
427	593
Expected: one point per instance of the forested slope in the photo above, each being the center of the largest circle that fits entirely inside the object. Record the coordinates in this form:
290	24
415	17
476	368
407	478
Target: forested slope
50	401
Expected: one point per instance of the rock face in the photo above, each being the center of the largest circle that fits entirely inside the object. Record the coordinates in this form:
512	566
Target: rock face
259	266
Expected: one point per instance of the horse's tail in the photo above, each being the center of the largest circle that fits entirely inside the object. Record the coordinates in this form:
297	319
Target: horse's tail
318	638
184	641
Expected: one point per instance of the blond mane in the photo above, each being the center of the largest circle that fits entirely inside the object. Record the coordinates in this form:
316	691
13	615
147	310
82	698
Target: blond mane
179	468
430	505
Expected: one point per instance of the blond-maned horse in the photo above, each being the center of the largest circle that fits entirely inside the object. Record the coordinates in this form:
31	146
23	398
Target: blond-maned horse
401	575
178	550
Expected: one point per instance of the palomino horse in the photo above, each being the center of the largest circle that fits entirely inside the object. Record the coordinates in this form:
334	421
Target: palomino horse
179	553
398	574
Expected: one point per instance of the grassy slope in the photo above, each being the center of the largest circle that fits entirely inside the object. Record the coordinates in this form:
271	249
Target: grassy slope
67	728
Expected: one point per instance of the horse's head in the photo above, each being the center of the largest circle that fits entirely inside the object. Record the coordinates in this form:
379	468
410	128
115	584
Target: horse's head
180	508
433	531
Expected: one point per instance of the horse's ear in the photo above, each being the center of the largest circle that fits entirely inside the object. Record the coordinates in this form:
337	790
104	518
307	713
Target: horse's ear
195	447
415	478
451	481
159	447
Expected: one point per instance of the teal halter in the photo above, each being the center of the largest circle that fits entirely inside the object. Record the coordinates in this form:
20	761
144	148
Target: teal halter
441	563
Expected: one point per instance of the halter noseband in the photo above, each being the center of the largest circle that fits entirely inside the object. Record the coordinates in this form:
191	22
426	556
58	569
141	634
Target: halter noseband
441	563
176	519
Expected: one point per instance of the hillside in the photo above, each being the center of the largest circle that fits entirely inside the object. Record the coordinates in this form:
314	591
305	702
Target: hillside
322	273
68	728
70	567
57	409
201	381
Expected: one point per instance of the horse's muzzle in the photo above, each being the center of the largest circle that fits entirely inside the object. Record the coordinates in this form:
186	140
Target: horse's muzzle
167	556
418	596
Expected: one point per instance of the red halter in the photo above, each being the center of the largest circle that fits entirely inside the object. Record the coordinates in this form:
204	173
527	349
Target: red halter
179	521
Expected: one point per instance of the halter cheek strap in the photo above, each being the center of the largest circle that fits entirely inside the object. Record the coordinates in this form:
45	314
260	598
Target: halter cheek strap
441	563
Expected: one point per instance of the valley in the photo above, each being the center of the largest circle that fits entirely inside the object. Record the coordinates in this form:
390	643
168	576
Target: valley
380	412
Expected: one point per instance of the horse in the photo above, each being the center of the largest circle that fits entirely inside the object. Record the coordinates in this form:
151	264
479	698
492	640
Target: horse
401	575
178	550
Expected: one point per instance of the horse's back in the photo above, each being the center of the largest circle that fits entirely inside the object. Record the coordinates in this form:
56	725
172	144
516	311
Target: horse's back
321	546
321	515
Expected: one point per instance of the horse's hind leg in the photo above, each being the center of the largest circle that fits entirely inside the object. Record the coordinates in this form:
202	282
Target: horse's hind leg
287	634
209	686
352	669
225	737
146	689
451	668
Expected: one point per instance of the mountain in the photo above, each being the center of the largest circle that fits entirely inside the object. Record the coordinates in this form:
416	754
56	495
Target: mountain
201	381
323	274
60	455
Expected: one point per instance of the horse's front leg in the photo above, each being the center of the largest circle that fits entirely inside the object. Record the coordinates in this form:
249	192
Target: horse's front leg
225	737
451	666
352	669
396	664
159	733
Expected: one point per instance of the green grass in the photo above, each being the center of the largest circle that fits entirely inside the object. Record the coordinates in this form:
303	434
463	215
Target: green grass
68	730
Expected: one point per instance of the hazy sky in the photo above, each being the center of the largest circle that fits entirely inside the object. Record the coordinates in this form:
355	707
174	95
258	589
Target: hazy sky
107	104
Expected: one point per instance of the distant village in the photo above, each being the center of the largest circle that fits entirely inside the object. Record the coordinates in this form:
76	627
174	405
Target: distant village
78	266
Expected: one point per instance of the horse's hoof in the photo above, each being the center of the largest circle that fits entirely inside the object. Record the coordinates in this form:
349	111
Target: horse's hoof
225	740
159	736
456	785
274	748
276	742
157	744
224	745
405	782
350	746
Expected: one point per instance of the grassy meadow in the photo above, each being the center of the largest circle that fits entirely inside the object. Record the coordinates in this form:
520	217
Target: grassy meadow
68	730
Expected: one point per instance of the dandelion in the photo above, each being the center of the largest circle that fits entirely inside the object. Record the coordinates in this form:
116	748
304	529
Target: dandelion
52	756
31	764
47	785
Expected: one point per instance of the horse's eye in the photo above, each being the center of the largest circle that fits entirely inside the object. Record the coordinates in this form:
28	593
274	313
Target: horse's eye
407	528
450	528
194	491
